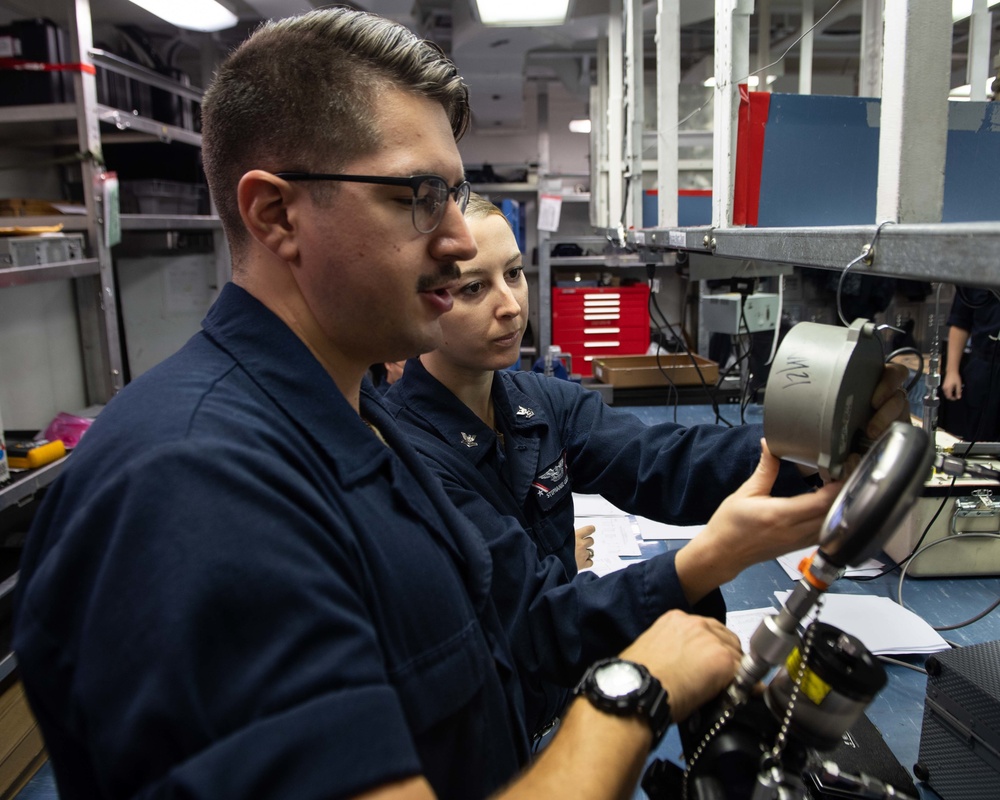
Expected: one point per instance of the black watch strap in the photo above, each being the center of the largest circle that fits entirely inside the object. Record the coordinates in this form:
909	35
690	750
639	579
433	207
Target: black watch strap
649	701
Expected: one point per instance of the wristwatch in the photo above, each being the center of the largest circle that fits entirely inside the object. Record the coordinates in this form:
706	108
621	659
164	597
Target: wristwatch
627	689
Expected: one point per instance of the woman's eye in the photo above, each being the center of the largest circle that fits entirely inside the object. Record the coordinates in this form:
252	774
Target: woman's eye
472	288
514	274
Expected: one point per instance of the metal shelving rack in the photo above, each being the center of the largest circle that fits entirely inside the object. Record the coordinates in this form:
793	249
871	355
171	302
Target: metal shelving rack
85	125
917	52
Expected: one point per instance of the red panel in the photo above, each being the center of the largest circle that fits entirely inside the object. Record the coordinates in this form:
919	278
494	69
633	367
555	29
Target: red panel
751	130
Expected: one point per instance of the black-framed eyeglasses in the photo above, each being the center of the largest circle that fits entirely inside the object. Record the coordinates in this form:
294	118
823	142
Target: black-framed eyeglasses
430	193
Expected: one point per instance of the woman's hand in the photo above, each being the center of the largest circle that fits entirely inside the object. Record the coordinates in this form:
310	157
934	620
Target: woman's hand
585	546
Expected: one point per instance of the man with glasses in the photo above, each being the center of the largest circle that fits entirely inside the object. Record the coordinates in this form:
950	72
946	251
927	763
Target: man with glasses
245	584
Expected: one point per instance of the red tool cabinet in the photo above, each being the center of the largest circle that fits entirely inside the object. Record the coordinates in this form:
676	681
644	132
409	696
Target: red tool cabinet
600	321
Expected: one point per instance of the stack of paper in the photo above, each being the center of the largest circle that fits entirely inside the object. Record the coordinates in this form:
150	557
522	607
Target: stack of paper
882	625
790	564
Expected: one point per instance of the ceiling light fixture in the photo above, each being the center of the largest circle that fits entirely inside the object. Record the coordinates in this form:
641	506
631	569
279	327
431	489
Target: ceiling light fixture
193	15
579	125
964	93
753	81
521	13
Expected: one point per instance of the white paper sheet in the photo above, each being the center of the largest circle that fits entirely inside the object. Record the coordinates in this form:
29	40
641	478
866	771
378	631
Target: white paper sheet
744	623
593	505
881	624
651	530
790	564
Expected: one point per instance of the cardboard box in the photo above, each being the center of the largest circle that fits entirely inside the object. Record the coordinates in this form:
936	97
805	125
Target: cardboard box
631	371
22	751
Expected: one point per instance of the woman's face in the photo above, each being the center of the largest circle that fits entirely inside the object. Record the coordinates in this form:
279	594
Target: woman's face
484	328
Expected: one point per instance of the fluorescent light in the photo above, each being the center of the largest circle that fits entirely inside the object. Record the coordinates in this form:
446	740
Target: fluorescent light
752	80
194	15
960	9
964	92
579	125
522	12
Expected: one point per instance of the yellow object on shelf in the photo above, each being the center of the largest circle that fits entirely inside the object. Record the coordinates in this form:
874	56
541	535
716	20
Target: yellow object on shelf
32	454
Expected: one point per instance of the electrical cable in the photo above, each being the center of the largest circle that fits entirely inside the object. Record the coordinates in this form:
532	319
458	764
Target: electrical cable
672	389
923	535
898	663
913	351
976	618
745	386
962	536
867	254
711	396
777	320
768	66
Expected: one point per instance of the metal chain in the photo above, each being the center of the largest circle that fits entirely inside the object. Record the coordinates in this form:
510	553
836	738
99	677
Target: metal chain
793	696
712	732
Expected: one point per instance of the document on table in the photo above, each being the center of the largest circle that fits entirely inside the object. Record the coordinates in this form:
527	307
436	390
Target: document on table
790	564
593	505
744	623
652	530
882	625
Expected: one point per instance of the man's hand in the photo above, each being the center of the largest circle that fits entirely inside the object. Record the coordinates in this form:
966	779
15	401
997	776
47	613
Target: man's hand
889	400
749	527
891	405
585	546
694	657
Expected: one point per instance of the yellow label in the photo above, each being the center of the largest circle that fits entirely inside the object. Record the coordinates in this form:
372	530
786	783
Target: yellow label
812	686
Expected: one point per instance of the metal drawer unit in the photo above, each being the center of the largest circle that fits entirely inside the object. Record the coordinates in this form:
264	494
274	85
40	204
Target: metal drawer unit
591	322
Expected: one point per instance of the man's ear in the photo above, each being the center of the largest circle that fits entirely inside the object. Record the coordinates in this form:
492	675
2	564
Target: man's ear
265	203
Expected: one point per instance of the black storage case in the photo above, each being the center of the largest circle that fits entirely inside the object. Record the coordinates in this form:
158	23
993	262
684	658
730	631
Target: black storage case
38	40
960	738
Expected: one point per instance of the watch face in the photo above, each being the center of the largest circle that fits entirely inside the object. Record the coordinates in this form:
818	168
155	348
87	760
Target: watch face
618	679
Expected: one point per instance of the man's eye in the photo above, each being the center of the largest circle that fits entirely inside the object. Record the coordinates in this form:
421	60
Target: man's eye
514	274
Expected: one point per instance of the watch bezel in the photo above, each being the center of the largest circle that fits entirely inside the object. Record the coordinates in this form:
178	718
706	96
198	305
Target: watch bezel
649	701
604	667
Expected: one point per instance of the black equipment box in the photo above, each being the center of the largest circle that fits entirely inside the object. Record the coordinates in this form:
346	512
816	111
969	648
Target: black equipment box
960	738
40	41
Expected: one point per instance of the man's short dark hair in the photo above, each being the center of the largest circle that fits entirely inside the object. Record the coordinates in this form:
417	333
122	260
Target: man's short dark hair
301	94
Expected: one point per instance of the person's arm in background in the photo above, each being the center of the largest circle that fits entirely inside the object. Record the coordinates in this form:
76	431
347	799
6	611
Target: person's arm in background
951	386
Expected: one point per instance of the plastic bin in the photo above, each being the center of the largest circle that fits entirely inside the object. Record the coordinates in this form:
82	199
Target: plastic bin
162	197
